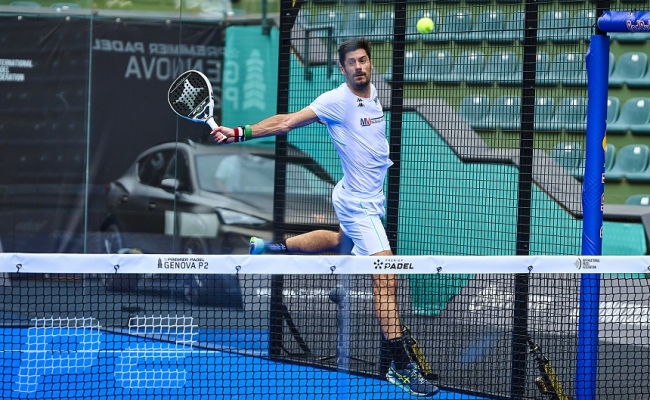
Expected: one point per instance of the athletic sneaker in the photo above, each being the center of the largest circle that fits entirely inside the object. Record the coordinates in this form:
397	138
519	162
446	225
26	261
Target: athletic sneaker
411	381
259	246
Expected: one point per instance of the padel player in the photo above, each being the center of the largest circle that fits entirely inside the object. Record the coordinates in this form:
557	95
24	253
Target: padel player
355	122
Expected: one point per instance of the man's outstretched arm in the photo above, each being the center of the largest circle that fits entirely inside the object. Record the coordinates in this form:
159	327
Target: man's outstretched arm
279	124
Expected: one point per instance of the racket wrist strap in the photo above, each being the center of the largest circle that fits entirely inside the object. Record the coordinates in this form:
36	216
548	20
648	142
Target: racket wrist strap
248	132
239	134
243	133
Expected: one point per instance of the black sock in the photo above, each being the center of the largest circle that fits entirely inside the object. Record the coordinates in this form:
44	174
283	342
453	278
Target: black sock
276	247
398	352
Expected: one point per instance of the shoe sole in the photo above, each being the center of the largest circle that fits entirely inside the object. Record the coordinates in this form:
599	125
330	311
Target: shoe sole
396	382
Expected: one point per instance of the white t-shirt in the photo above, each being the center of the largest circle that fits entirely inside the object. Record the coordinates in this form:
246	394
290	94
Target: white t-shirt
357	129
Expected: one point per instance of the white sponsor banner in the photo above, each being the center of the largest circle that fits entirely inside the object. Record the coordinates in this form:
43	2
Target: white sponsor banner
299	264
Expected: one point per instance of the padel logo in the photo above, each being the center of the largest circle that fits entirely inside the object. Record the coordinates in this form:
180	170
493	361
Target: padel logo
393	264
64	346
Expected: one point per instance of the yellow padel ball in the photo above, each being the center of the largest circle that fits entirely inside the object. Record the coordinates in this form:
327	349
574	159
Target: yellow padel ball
425	25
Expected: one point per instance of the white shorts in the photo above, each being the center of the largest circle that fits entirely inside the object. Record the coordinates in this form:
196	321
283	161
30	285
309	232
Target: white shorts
360	220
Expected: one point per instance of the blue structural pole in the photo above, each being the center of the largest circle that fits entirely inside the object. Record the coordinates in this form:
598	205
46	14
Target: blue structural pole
592	205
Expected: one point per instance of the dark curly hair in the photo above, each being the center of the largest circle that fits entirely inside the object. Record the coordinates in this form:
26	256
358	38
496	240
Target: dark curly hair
352	45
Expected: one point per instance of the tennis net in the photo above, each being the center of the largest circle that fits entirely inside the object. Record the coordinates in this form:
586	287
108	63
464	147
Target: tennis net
143	325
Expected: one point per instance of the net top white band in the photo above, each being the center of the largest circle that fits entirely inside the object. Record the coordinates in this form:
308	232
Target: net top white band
297	264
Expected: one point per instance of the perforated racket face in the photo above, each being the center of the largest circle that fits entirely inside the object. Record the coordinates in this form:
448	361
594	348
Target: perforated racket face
191	95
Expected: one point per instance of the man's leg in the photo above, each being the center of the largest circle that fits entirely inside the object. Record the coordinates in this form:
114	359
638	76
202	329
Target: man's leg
403	371
385	303
315	242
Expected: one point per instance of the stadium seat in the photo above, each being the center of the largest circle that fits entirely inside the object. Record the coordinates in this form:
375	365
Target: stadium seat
65	5
542	66
553	26
502	68
474	110
513	28
629	67
383	28
568	69
358	24
412	64
24	4
304	18
325	19
437	67
629	37
644	81
468	67
638	200
634	117
568	155
505	113
570	115
457	27
610	155
489	26
582	26
412	34
631	159
544	110
613	109
614	125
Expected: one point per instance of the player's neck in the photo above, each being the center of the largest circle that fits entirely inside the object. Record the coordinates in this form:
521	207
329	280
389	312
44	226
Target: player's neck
363	93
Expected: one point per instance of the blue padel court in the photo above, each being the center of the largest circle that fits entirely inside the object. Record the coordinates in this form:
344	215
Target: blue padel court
94	364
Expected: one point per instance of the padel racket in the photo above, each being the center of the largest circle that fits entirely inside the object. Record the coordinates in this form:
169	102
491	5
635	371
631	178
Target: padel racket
190	96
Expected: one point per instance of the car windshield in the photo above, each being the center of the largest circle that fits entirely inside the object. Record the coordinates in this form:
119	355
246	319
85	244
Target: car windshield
248	173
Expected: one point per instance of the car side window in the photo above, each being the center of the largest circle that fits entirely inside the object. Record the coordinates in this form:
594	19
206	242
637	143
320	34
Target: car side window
179	170
152	167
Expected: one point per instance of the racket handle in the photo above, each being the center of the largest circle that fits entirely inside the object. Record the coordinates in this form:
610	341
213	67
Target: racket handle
212	123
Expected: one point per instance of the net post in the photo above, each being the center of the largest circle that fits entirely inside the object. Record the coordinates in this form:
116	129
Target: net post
592	204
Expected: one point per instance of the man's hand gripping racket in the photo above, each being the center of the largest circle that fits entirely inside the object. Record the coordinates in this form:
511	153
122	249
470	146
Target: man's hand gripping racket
190	96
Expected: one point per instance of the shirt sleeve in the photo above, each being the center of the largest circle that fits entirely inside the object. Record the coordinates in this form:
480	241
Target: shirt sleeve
329	107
